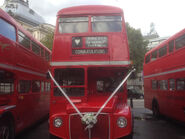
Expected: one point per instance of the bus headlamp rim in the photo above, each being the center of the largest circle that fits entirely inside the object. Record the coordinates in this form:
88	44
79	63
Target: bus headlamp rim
121	122
57	122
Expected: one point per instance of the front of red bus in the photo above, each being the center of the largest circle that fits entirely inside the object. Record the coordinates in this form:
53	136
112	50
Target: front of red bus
90	59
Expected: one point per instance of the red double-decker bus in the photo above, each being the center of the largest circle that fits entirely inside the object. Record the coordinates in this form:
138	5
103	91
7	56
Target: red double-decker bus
164	78
90	58
24	88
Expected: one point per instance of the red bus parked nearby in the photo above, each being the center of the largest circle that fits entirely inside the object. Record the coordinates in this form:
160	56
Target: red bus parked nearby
89	60
164	78
24	89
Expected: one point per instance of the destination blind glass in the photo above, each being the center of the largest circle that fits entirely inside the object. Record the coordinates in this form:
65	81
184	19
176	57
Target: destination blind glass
89	51
96	42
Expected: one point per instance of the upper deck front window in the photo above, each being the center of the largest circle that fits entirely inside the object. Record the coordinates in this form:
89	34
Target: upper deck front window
73	25
106	23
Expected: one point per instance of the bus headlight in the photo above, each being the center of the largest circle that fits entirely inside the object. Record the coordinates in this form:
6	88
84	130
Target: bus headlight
122	122
57	122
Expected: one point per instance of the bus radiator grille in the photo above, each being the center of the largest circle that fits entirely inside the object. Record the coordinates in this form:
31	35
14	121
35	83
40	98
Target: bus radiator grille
101	129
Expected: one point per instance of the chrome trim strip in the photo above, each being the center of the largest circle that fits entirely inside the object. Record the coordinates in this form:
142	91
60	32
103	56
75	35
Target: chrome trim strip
84	113
7	107
84	63
10	107
164	73
21	69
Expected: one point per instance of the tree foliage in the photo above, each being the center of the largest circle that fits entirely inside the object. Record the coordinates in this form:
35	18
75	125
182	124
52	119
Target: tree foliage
137	45
48	40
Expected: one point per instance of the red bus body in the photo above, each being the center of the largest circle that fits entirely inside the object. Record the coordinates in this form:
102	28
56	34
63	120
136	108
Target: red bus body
24	89
164	78
89	62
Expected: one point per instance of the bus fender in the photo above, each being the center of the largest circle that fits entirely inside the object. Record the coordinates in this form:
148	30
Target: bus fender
6	108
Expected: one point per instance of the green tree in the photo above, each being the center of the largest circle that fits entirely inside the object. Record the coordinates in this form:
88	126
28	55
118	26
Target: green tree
137	45
48	40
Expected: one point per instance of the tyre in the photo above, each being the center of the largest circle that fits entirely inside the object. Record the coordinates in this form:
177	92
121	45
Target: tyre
129	136
53	137
155	109
6	129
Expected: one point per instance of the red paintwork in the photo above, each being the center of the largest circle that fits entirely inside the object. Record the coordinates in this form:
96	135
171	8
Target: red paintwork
90	10
171	103
25	109
92	100
63	41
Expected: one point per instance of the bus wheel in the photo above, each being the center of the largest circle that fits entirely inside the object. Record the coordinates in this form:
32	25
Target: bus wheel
52	137
129	136
6	129
155	109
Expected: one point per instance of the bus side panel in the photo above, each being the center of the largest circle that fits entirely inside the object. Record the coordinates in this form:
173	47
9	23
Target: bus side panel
7	49
148	95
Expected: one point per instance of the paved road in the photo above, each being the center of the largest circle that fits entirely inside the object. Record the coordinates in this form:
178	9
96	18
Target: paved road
39	131
145	127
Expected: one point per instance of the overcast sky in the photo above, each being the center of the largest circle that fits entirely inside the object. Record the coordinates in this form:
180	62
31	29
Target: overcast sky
167	15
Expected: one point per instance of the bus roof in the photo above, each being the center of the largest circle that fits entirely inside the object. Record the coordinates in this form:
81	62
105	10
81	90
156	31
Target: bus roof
173	37
12	21
90	9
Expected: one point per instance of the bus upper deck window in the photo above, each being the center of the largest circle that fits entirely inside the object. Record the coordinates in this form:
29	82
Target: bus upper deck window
73	25
154	55
7	30
106	23
180	42
147	59
171	46
35	48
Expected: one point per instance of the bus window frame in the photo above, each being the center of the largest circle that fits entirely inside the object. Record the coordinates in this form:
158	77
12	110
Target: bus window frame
153	59
177	38
34	81
171	50
162	85
90	24
58	24
161	51
18	83
22	46
111	15
74	86
11	80
12	88
148	56
36	45
177	85
156	83
169	85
